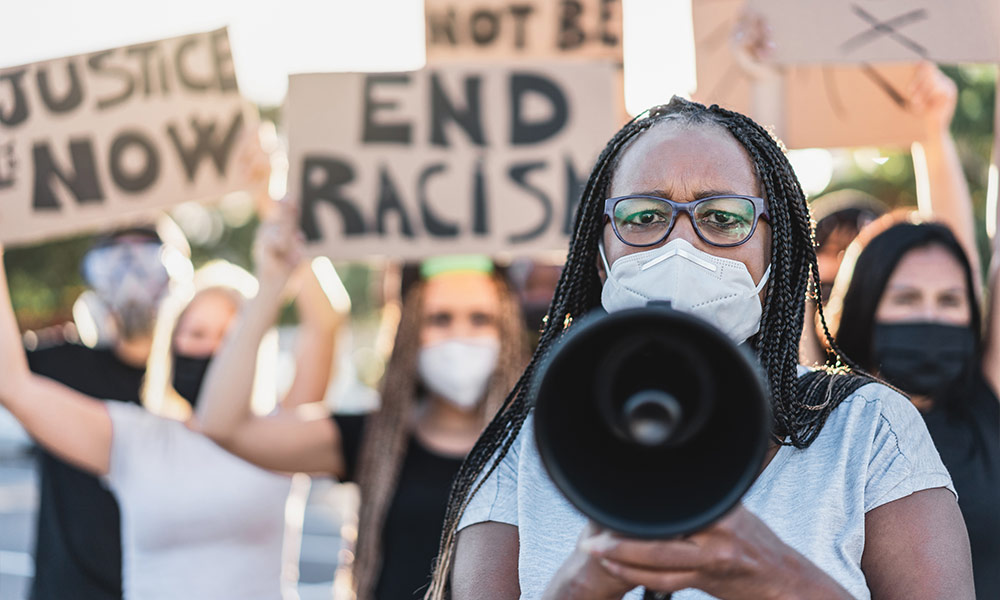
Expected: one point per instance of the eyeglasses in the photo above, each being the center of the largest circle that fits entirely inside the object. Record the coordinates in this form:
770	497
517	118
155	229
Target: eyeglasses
718	220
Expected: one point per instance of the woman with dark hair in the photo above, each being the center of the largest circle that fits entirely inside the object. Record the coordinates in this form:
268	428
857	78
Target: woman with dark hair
853	501
458	348
909	314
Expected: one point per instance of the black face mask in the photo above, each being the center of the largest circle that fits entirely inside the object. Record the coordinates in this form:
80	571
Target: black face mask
189	373
923	358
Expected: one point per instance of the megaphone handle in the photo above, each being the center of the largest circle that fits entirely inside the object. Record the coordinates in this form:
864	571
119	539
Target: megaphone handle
651	595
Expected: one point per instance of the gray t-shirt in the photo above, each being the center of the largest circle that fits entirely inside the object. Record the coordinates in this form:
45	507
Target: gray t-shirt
873	449
197	522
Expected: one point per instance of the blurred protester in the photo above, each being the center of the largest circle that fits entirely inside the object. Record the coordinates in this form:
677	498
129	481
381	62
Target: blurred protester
197	523
458	349
942	195
839	217
534	282
907	311
78	538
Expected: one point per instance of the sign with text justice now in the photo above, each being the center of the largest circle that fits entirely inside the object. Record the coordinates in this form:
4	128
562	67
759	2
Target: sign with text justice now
106	138
455	158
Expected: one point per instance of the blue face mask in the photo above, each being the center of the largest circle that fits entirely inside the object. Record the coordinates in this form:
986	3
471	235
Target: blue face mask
923	358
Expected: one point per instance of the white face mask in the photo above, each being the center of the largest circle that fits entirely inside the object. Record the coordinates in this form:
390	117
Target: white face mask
459	370
717	290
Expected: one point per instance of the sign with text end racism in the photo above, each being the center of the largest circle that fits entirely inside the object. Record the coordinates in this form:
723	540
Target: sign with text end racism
818	106
468	30
841	31
107	138
452	159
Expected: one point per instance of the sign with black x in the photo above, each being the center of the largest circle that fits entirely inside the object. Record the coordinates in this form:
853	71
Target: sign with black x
853	31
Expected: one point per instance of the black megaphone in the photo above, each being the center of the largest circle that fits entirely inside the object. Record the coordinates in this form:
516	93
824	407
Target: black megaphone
650	421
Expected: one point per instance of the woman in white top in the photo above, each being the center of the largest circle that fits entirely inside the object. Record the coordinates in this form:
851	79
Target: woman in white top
853	500
197	522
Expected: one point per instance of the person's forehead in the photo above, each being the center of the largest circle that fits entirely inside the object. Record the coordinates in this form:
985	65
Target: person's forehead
684	160
460	289
929	267
209	306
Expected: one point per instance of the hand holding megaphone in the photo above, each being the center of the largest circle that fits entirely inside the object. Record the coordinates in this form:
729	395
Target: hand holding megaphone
736	557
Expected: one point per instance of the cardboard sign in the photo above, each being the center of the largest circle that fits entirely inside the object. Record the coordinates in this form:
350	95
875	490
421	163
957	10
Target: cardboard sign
852	31
806	106
451	159
109	137
490	29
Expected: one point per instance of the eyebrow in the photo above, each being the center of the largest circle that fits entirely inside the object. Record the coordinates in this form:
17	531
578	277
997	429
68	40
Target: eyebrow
906	287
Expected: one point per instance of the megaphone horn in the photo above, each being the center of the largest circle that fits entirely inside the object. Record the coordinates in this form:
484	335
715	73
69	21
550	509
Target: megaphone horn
650	421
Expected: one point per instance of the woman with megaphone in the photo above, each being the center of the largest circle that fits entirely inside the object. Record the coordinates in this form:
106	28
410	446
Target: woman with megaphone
698	206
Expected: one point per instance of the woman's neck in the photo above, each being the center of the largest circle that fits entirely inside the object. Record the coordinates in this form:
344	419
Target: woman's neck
445	428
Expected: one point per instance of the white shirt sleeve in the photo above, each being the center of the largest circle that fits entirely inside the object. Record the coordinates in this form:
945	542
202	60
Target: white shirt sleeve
903	458
132	428
496	499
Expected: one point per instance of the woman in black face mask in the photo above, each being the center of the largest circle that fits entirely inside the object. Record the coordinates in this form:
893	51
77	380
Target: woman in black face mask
908	312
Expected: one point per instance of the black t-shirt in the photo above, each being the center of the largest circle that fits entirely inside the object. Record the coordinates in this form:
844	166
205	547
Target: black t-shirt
970	449
413	524
78	541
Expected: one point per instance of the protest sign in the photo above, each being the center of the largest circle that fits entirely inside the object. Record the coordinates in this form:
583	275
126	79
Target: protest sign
842	31
505	30
106	138
454	158
489	29
806	106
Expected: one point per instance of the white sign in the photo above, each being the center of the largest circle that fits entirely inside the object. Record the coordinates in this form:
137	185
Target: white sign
456	158
807	106
478	29
100	139
852	31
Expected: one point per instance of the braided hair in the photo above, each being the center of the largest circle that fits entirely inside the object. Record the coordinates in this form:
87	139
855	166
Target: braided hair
800	405
387	432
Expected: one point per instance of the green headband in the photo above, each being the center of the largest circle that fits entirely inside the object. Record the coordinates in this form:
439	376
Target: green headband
479	263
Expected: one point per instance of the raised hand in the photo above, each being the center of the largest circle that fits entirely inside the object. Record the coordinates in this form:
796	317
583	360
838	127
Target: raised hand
278	248
932	96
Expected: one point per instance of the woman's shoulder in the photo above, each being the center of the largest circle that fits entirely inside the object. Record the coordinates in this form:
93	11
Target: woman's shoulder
857	395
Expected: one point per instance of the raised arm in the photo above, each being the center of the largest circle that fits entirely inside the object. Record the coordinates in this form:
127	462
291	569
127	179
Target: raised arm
323	306
290	440
942	191
991	356
71	425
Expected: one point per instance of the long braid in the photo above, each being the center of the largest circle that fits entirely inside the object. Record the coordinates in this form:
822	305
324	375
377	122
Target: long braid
800	404
388	431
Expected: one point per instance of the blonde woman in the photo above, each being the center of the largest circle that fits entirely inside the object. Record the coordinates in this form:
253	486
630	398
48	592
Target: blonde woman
197	522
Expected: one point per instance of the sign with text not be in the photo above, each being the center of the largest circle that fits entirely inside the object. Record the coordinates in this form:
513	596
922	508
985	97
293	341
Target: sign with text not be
106	138
507	29
455	158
